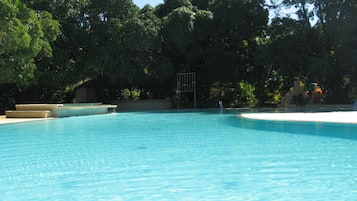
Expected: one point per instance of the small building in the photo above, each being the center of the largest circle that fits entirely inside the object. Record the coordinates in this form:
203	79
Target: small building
87	91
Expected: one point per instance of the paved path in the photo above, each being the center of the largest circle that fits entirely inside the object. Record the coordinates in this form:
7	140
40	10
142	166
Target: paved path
334	117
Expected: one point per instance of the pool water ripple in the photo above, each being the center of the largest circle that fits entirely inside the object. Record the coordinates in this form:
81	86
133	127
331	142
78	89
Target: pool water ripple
195	155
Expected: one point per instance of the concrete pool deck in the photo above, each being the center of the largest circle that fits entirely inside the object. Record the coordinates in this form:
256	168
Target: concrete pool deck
4	120
349	117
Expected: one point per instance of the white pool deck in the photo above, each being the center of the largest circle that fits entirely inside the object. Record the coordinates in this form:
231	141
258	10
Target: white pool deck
349	117
4	120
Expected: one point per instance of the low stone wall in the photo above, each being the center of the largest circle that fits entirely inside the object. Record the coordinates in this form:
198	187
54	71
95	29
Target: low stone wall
142	105
320	107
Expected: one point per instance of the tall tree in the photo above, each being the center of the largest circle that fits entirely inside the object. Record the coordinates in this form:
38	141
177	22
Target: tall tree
168	6
337	21
230	52
25	35
317	52
68	65
178	36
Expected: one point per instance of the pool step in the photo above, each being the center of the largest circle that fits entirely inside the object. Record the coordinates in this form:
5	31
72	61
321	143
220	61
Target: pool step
58	110
28	113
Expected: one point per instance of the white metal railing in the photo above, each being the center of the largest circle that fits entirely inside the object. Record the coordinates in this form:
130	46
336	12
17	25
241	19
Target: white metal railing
186	83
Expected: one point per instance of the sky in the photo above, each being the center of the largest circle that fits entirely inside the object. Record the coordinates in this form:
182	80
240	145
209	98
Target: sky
142	3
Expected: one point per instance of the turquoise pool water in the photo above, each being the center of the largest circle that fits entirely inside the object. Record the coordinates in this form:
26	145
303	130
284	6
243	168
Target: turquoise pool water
201	155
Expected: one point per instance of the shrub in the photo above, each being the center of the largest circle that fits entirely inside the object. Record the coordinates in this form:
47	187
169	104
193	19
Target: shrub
130	94
234	95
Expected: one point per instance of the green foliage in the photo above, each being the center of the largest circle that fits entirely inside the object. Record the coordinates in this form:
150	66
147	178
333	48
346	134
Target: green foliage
322	52
229	52
234	95
52	45
269	88
168	6
338	21
25	35
246	94
177	31
131	94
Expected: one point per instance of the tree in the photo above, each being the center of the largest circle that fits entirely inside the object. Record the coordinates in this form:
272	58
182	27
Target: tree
158	66
320	52
202	4
168	6
178	37
338	24
303	11
25	35
57	75
230	51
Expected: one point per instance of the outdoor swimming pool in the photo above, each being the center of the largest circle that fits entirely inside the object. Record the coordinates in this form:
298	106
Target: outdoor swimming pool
190	155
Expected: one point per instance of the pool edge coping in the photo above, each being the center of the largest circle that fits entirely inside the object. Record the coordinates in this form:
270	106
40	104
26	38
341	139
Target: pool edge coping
4	120
341	117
